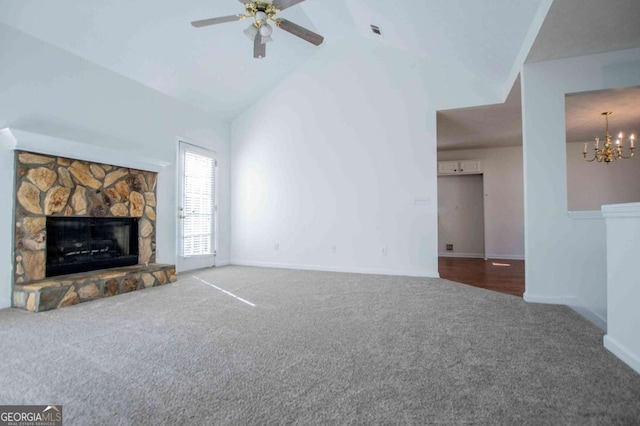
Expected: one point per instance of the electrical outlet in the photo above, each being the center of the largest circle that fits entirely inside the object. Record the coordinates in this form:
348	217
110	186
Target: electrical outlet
276	247
421	201
334	249
449	247
383	250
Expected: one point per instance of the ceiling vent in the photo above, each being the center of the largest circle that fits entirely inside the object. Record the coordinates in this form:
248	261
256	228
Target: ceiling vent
376	29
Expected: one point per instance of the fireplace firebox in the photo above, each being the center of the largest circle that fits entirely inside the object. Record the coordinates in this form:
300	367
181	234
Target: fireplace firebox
81	244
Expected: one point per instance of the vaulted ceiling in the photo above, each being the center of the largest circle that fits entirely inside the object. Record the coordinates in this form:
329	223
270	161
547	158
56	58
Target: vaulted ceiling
152	42
571	28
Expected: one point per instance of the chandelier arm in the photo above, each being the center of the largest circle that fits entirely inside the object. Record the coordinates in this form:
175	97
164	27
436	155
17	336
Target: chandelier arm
592	160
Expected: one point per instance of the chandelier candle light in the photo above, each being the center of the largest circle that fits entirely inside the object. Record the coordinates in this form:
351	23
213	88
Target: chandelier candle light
608	153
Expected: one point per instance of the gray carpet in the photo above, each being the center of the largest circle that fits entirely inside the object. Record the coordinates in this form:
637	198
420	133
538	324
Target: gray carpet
318	348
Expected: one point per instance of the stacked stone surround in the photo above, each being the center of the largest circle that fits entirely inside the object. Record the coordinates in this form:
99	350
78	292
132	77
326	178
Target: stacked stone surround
58	186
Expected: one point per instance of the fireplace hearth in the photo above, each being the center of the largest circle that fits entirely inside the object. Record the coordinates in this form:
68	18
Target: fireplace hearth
81	244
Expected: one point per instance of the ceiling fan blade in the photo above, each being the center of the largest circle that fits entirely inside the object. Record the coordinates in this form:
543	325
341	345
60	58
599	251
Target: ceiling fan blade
284	4
259	48
214	21
301	32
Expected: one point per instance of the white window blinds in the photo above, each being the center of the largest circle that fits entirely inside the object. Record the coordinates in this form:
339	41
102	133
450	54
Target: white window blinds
197	231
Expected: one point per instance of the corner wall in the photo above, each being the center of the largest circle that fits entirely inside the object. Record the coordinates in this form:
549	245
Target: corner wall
566	256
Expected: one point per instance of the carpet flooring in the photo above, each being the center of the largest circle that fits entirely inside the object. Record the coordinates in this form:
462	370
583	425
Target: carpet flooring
317	348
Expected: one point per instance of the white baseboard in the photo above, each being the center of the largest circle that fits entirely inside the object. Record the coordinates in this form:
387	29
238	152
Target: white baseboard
577	305
371	271
505	256
572	302
628	357
464	255
482	256
550	300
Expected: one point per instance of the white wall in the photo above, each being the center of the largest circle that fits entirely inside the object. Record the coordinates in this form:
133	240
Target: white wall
49	91
335	157
623	289
461	216
504	199
590	185
7	177
565	255
338	154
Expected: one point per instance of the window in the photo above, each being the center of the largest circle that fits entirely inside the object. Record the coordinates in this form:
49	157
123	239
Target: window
199	204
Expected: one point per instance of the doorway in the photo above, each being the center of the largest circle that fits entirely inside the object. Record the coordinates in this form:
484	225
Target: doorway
197	227
461	216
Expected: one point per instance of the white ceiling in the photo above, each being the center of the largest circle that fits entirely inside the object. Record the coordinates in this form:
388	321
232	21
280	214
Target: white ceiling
583	110
583	27
152	42
485	37
500	125
571	28
484	126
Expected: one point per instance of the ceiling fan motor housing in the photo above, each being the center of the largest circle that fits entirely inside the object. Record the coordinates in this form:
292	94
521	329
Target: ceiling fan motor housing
261	12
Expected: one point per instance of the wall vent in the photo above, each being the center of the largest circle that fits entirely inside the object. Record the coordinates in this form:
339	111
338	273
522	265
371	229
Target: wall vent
376	29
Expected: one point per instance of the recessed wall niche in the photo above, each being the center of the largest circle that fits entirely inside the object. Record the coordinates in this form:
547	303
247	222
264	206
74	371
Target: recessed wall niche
593	184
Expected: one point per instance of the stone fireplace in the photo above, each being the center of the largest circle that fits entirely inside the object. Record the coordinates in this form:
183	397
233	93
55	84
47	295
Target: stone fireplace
83	230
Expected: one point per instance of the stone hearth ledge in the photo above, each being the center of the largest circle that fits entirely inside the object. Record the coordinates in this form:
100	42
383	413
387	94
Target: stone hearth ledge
67	290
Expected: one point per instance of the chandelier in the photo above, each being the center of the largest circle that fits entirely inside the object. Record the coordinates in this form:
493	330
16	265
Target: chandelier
609	151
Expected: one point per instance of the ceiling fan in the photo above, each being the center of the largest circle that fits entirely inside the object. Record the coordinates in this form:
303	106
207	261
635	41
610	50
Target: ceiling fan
260	31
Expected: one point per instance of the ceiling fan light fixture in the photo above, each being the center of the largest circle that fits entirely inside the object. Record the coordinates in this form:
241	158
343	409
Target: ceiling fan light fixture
251	32
261	17
266	30
260	12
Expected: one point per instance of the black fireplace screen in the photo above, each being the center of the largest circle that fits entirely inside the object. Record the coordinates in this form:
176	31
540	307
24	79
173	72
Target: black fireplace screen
80	244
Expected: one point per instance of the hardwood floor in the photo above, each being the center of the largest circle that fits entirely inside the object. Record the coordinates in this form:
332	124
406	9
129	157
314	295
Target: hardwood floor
485	274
